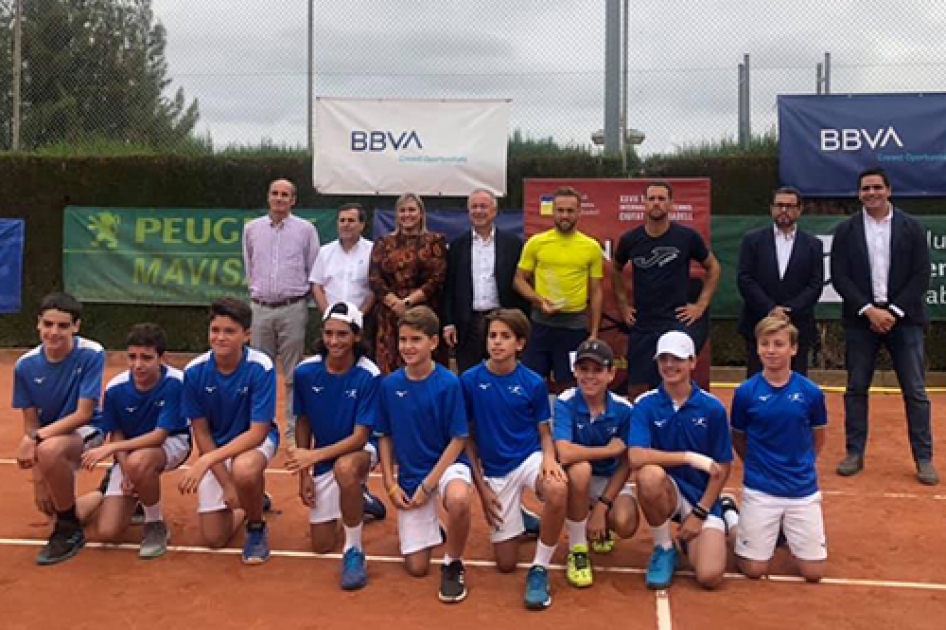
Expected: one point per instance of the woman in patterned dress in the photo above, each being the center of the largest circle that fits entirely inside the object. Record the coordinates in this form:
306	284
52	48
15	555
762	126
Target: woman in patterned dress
408	267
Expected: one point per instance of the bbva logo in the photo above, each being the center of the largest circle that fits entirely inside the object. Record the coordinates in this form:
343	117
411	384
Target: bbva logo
378	141
857	139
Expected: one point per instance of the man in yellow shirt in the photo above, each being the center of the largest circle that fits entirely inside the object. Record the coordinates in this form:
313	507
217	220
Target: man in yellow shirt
560	274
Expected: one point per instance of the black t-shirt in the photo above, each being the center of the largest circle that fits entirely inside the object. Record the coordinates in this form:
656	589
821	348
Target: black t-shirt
661	269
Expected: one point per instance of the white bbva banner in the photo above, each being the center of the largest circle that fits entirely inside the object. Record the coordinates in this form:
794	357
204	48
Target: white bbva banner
389	147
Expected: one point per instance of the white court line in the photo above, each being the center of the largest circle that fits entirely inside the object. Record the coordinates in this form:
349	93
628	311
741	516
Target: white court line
230	551
269	471
664	620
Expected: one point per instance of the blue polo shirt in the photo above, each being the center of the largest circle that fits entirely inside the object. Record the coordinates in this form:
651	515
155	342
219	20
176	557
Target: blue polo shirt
231	402
422	417
573	423
335	403
54	389
778	423
136	413
699	425
505	412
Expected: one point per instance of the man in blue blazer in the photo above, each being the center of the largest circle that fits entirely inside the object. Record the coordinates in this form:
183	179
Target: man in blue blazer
481	265
880	264
781	273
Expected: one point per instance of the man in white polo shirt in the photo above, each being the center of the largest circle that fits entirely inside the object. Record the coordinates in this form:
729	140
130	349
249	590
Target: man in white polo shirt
340	273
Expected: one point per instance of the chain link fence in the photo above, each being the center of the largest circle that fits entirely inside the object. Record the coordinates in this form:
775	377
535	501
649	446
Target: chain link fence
171	75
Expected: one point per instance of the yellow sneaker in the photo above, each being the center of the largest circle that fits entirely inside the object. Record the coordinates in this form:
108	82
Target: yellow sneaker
604	546
579	567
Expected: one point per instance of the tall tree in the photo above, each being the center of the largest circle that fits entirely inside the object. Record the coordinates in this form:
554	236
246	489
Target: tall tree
96	69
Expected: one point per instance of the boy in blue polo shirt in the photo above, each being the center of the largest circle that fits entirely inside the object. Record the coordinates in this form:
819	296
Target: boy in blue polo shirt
512	449
230	400
682	452
335	396
148	435
423	427
591	428
778	422
57	385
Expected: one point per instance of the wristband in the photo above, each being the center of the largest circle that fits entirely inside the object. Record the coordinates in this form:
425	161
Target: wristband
696	460
700	512
407	302
608	502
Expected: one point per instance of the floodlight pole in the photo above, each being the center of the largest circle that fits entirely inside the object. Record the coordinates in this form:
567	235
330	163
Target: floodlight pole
612	78
310	66
17	73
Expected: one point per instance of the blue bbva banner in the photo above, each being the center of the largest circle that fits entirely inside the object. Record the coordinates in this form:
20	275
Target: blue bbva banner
12	235
825	141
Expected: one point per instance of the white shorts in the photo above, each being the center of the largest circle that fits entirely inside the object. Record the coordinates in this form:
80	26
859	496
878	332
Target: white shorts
761	517
177	448
684	508
418	529
508	490
328	496
210	493
598	484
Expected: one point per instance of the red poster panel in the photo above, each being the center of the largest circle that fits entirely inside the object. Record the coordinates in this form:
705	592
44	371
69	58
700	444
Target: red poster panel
609	208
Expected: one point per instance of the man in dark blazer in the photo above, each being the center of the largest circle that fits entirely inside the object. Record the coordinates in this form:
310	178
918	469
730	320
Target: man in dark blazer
781	273
481	264
880	265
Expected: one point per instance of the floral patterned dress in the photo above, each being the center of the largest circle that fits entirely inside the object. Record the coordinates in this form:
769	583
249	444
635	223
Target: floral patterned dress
400	264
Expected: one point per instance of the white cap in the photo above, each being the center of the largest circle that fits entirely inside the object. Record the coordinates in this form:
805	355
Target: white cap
676	343
345	312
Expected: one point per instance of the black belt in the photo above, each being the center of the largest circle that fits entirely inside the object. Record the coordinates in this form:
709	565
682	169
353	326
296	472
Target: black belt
285	302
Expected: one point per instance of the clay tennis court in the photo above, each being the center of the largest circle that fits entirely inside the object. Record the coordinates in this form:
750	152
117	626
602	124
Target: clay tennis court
886	540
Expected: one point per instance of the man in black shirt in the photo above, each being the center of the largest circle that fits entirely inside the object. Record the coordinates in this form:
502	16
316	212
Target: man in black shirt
660	252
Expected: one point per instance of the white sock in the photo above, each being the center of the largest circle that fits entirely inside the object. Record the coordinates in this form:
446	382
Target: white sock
543	554
153	512
577	532
661	534
352	537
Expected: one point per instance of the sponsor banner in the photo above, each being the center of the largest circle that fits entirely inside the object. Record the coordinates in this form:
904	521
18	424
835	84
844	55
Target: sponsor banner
389	147
161	255
450	222
826	140
12	238
609	208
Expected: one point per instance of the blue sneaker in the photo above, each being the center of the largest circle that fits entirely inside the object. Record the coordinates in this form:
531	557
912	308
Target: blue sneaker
660	570
374	508
531	522
256	545
354	574
538	595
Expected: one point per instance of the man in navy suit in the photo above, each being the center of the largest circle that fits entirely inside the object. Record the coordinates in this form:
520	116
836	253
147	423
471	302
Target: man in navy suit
781	273
880	264
481	265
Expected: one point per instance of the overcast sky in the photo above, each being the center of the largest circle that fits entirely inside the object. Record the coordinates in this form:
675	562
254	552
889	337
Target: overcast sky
246	61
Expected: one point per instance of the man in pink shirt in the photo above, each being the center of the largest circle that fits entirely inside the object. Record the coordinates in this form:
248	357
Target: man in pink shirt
279	251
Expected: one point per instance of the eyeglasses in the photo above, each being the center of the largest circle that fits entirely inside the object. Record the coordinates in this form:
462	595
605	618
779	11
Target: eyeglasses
785	206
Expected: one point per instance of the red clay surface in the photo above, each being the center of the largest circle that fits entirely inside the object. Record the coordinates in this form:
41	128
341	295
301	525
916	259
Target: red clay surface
881	526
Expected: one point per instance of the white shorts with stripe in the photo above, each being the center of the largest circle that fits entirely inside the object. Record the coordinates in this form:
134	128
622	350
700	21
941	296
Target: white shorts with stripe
761	517
210	493
177	448
418	529
328	496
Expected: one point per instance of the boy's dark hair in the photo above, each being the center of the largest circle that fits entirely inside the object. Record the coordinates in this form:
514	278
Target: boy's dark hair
237	310
62	302
422	318
512	317
148	335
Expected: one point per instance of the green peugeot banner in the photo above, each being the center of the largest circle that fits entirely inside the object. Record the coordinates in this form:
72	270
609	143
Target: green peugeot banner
161	255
